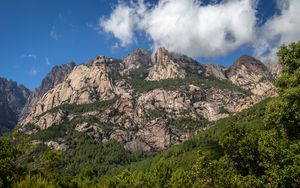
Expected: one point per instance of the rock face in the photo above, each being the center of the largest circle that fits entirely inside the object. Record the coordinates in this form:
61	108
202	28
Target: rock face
56	145
139	58
197	101
253	99
274	68
85	84
12	99
249	73
165	67
57	75
145	119
215	71
51	119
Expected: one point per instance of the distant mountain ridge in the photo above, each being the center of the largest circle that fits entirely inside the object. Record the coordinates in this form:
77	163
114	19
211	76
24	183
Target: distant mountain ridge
12	100
144	104
54	77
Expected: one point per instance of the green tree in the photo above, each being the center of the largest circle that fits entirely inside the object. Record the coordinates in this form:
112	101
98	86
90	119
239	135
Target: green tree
161	174
180	179
36	181
284	112
9	171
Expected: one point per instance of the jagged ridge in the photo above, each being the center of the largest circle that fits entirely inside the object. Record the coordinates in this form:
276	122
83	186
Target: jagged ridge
131	116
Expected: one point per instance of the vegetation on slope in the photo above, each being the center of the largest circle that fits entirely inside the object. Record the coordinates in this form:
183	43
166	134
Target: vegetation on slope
137	80
82	108
173	84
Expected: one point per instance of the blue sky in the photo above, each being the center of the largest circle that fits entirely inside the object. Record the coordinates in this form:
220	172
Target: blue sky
36	35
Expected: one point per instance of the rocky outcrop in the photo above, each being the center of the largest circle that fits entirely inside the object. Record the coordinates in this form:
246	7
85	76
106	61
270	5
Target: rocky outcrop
274	68
137	145
215	71
157	134
139	58
165	67
12	100
57	75
253	99
90	129
57	146
249	73
196	101
85	84
50	119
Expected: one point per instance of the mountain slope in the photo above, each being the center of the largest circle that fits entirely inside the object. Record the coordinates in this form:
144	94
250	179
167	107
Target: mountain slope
249	73
152	105
54	77
12	100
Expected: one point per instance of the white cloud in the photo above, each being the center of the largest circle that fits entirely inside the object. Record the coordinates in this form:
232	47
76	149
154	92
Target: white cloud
189	28
120	23
29	56
198	30
54	34
185	26
281	29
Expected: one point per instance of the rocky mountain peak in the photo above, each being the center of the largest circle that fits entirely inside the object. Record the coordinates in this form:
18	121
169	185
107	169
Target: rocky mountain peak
102	59
12	99
137	59
140	52
173	65
250	63
57	75
161	55
215	70
166	66
84	84
252	74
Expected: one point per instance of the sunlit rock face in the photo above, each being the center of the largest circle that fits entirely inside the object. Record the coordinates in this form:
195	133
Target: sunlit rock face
165	67
56	76
249	73
144	119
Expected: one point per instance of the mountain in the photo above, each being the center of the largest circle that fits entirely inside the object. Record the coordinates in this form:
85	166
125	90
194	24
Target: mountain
139	58
274	68
249	73
54	77
12	100
142	103
170	65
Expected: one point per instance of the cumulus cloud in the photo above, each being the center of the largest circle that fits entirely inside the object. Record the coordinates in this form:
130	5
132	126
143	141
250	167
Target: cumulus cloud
283	28
185	26
198	30
121	23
